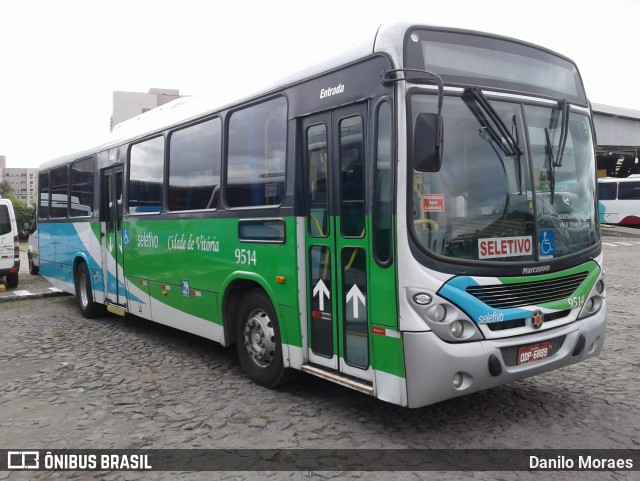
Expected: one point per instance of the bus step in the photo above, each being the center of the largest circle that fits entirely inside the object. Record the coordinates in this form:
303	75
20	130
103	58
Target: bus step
334	377
116	309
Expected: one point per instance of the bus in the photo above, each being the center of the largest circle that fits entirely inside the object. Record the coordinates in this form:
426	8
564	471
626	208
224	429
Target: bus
416	220
619	200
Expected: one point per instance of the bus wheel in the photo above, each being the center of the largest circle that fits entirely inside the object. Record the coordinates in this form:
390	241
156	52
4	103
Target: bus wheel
33	269
258	341
84	293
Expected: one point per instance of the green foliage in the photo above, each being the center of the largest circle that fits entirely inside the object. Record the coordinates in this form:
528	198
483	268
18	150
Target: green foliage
5	189
24	213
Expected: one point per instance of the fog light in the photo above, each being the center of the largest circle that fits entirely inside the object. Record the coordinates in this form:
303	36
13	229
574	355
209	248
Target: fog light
458	379
590	304
600	286
440	313
457	328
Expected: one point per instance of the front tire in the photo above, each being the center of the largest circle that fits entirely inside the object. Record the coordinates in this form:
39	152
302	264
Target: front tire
84	293
258	341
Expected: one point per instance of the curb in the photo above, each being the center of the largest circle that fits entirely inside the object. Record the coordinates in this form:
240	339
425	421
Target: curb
10	296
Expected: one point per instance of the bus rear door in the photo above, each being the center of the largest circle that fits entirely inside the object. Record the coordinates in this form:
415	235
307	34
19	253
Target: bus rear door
112	248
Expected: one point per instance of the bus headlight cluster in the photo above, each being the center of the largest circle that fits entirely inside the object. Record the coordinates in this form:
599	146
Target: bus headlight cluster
594	301
447	321
457	329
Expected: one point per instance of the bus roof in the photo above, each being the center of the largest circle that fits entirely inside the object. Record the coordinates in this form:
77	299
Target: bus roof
388	39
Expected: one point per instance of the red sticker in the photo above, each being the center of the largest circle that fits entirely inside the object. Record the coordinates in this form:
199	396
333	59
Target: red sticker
432	202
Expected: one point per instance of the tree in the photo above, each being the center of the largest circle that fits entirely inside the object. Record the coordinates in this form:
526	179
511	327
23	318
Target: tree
5	189
24	213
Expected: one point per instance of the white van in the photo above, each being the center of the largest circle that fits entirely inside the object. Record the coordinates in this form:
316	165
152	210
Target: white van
9	244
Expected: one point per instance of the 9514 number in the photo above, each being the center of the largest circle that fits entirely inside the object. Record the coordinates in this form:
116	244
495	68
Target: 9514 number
246	257
576	301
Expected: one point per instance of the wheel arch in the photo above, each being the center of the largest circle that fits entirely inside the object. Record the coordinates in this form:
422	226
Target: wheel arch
79	258
235	288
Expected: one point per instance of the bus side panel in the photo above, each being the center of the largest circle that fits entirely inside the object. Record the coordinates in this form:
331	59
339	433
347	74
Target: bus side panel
60	243
185	263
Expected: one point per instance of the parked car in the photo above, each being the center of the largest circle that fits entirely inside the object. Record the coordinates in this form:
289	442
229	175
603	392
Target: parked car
9	244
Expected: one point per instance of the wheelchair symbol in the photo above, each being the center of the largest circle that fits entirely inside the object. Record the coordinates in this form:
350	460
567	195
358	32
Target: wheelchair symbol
547	243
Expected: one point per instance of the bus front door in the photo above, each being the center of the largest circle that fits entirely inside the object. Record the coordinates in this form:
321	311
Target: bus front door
112	248
336	241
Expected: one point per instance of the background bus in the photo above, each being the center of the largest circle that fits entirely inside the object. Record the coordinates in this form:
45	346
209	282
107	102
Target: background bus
415	221
619	200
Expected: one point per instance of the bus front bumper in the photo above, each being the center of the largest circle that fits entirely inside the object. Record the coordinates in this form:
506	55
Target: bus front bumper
437	370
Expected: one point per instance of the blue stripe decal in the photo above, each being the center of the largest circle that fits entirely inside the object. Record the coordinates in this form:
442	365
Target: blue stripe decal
455	291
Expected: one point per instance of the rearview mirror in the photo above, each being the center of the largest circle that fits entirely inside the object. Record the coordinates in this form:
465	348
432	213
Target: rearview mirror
426	151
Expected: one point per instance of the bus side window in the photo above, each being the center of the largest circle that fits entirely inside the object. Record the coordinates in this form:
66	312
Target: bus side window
146	175
257	155
352	173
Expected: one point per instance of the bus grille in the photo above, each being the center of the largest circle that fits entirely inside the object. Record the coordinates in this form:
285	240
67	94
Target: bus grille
505	296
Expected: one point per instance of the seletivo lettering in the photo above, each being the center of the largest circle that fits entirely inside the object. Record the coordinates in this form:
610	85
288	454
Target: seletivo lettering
491	317
324	93
180	242
147	239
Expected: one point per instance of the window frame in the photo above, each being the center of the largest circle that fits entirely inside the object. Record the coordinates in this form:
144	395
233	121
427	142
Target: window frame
127	191
226	150
219	160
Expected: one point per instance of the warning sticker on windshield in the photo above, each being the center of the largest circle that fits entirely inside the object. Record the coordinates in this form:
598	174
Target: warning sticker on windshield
432	202
504	247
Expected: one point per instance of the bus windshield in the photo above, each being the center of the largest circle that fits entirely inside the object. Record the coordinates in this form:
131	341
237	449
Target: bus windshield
492	204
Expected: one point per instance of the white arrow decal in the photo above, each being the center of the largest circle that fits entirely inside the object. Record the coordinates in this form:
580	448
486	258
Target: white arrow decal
322	289
357	295
110	244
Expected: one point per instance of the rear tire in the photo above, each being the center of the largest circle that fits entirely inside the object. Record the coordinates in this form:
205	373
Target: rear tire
84	292
258	341
12	280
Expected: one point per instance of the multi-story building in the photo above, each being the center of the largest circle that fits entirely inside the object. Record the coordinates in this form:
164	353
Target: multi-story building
127	105
23	181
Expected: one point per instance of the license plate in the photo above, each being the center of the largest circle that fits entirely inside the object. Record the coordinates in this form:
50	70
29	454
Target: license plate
534	353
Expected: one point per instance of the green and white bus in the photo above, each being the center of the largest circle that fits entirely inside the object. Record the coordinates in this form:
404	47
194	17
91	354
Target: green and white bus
416	220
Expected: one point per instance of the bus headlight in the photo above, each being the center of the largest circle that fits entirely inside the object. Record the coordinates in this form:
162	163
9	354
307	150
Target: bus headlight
594	301
457	328
446	320
439	313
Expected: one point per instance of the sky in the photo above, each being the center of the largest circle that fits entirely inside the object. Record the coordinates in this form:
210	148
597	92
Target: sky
60	61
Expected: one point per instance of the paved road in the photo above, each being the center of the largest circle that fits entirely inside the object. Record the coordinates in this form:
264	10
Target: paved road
67	382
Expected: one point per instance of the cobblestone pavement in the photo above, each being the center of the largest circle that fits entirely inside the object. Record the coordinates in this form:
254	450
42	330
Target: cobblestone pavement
29	286
68	382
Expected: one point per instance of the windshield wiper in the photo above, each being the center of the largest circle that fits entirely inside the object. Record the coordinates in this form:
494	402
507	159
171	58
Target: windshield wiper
565	108
491	121
556	161
552	163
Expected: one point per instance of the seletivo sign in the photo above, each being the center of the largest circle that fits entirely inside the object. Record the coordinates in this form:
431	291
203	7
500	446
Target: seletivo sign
505	247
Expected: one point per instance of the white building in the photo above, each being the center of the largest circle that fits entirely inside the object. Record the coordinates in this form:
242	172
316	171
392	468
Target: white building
127	105
23	182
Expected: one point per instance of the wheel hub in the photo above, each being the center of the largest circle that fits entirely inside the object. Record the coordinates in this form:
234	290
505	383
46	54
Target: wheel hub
259	338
